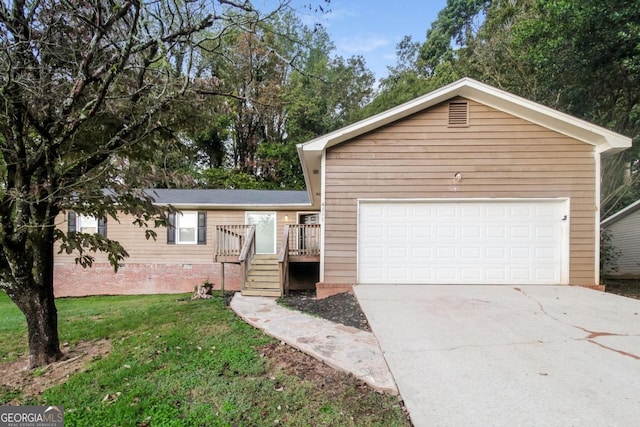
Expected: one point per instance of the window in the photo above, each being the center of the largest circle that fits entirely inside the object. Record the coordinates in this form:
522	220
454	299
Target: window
86	224
187	228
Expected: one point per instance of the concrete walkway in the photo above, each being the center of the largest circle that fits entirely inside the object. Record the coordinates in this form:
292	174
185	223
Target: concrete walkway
341	347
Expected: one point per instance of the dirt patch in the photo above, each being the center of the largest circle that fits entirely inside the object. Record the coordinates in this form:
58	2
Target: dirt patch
26	384
340	308
627	288
332	381
288	359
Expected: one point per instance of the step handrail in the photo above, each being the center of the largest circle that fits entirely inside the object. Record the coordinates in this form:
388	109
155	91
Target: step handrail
283	262
247	253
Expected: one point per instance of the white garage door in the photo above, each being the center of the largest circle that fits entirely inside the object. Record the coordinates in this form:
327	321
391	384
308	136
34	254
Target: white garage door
463	242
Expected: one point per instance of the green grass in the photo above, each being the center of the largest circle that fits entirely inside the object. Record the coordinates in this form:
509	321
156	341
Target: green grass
183	363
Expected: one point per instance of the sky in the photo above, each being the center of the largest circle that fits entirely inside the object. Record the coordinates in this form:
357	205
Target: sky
373	28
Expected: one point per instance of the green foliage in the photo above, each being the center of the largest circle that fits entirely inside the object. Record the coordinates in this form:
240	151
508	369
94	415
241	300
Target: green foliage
279	166
609	254
455	26
285	88
226	178
168	366
209	144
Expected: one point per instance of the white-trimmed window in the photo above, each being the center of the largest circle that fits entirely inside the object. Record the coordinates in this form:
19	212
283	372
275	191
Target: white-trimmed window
87	224
187	228
78	223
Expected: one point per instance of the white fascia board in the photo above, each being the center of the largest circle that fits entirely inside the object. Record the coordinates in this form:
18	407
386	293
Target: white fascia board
310	161
604	139
307	170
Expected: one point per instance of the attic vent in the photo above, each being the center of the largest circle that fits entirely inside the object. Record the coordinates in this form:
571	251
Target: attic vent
458	114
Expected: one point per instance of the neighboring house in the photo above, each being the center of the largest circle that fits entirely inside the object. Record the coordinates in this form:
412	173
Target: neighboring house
623	229
465	185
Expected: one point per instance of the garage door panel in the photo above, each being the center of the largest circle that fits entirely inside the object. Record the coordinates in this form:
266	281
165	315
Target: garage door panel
472	275
398	254
501	242
495	232
471	231
496	254
520	254
495	274
520	232
445	254
472	253
398	232
446	275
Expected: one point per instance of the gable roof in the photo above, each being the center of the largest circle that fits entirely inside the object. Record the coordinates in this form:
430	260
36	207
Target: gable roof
229	199
621	214
604	140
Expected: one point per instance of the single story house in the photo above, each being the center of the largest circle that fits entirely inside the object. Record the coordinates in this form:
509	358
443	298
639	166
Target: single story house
623	229
203	245
467	184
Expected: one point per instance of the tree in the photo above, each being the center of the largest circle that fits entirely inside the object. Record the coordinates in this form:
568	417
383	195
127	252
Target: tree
284	88
87	91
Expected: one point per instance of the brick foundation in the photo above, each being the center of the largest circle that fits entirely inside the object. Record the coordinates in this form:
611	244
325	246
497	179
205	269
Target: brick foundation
135	279
324	290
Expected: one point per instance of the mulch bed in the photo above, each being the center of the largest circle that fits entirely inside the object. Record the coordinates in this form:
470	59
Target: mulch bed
628	288
340	308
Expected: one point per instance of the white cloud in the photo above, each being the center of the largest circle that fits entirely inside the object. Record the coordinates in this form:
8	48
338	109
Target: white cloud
340	14
361	43
390	56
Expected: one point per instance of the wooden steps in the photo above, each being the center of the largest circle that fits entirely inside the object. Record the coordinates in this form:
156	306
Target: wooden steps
263	278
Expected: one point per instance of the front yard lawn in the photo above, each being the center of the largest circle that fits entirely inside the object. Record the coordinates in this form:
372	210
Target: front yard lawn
162	361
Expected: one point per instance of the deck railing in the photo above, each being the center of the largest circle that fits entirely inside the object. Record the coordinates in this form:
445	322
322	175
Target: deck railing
230	239
304	240
236	244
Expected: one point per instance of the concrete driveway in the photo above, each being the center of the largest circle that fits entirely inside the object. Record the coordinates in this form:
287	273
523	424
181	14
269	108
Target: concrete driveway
507	355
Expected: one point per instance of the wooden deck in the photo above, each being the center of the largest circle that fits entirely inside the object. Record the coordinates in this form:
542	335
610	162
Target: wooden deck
266	275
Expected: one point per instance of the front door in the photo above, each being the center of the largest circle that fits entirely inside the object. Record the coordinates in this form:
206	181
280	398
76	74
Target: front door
265	223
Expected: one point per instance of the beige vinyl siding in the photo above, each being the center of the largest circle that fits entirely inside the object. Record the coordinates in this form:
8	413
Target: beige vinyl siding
158	251
499	156
625	237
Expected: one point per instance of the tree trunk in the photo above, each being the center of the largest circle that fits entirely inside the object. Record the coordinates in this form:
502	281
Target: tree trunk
39	309
32	292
